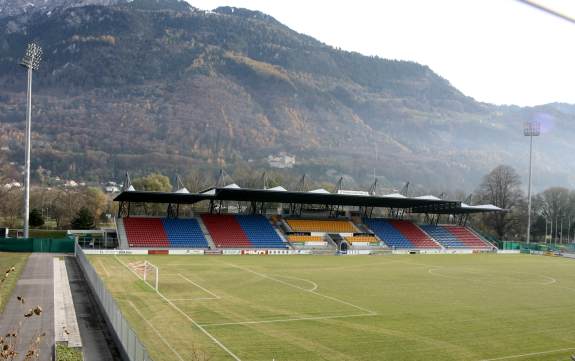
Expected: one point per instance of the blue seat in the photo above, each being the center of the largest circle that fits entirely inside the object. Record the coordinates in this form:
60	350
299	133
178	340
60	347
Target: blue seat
184	233
443	236
260	231
388	233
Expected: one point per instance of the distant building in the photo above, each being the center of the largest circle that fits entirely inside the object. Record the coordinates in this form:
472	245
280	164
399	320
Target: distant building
281	160
111	189
12	185
70	184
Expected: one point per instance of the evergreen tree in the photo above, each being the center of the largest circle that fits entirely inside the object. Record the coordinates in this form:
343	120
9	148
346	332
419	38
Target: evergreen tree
84	219
36	219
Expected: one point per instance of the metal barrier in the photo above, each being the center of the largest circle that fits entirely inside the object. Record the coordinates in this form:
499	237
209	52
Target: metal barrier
131	347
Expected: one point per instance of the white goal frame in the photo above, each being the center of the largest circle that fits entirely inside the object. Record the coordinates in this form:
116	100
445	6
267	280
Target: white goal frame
146	270
150	268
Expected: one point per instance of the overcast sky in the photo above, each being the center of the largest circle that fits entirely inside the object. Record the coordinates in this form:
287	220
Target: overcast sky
498	51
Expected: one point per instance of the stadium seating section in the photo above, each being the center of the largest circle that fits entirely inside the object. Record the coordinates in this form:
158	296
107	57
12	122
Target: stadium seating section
235	231
443	236
361	239
467	237
327	226
256	231
163	232
455	236
302	239
185	233
400	234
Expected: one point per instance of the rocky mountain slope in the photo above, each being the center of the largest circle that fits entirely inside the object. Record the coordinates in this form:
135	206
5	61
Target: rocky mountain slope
159	85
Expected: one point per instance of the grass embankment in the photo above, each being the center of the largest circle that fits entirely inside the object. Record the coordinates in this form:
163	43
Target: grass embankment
7	261
65	353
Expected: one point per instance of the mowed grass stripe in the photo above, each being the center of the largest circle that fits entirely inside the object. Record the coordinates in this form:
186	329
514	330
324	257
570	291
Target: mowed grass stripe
495	306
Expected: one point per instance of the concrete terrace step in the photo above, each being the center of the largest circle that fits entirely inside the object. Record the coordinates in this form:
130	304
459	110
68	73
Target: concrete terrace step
207	234
121	232
66	328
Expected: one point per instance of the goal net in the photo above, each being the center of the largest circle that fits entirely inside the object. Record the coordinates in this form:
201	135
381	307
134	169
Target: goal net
148	272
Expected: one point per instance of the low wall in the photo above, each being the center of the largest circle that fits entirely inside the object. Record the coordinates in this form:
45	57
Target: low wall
228	252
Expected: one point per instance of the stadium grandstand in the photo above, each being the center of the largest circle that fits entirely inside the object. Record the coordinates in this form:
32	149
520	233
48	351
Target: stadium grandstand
266	219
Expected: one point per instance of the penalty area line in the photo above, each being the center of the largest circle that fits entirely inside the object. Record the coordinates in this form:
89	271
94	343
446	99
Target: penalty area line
529	354
179	310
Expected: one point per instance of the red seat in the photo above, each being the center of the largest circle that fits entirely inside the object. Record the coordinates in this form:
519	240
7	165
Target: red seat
226	232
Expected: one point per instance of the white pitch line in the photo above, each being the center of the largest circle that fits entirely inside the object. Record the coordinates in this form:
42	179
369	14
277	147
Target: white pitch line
548	280
529	354
212	337
216	297
156	331
303	289
315	286
104	267
286	320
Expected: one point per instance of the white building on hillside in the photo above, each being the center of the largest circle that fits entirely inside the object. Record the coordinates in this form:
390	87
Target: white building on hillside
281	160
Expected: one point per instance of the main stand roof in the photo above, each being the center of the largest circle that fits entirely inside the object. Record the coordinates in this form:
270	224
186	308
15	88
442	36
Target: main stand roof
423	204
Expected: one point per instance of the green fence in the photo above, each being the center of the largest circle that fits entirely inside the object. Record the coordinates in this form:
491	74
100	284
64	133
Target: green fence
55	245
510	245
542	247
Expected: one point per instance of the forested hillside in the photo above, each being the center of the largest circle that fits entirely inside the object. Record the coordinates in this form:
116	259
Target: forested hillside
157	85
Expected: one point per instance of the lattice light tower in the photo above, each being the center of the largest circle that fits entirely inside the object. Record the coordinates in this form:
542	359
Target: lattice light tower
31	61
530	129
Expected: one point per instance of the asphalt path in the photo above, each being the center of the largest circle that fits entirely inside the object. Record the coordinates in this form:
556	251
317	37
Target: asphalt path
36	286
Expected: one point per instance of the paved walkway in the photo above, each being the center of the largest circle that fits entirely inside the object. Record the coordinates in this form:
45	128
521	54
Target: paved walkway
36	286
97	342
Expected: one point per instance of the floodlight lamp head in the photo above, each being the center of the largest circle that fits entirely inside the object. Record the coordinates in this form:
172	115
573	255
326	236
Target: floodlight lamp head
32	57
532	128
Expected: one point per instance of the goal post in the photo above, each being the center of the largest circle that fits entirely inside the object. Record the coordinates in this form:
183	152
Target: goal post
151	274
147	272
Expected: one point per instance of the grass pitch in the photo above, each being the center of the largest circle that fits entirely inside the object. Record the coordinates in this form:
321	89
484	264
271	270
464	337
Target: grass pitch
412	307
8	260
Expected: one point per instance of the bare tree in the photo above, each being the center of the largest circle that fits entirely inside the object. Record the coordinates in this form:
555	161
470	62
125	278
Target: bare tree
555	204
10	206
501	187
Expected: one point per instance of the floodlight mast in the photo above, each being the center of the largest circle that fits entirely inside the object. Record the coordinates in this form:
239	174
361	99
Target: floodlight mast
31	61
531	129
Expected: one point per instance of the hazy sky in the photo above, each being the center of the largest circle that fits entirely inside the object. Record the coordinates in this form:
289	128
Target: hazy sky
498	51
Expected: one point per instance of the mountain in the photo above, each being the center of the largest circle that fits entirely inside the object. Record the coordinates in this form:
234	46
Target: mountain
19	7
158	85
